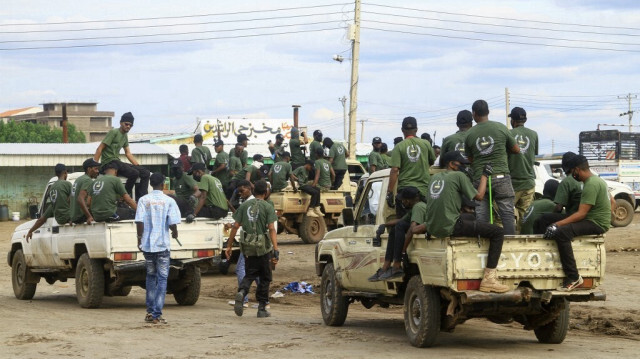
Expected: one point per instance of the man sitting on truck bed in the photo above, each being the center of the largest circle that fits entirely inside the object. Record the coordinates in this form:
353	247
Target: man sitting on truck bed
212	202
105	192
80	192
540	206
59	197
301	174
446	190
593	217
280	173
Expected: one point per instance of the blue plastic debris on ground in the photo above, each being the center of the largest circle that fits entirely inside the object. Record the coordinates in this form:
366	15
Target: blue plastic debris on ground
299	287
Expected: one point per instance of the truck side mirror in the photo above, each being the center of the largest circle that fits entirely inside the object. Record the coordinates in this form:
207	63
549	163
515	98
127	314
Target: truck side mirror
347	216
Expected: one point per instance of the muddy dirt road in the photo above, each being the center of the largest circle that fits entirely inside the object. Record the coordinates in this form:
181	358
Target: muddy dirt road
52	325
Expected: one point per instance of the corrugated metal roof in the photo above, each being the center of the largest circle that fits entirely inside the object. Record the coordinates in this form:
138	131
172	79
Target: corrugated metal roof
20	111
86	149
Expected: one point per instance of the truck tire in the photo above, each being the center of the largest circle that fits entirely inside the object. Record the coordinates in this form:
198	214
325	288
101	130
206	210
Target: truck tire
89	282
333	305
312	229
555	331
623	214
190	291
421	313
19	270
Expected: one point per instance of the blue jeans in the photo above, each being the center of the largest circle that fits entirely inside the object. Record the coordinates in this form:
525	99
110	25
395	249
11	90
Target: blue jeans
157	273
504	197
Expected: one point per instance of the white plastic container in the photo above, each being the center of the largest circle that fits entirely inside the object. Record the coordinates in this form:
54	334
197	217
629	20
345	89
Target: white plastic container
15	216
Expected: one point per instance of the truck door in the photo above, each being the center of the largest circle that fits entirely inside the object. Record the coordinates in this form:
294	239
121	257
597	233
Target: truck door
41	240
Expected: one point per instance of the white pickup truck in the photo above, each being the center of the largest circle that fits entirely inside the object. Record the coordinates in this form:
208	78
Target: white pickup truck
440	287
104	258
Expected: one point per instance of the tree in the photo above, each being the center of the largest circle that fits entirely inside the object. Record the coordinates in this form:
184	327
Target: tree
27	132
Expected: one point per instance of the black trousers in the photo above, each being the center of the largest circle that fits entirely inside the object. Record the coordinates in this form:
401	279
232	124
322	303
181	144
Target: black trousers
314	192
337	182
257	267
132	173
184	206
547	219
396	242
563	237
212	212
466	228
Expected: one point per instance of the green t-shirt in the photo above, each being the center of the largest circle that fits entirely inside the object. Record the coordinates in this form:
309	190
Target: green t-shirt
376	160
444	201
235	166
255	173
454	142
596	194
297	156
521	165
215	193
302	175
276	151
568	194
417	214
324	167
280	174
201	154
243	157
488	142
386	159
222	158
59	196
105	192
337	152
413	157
83	182
255	215
114	141
535	211
184	186
313	146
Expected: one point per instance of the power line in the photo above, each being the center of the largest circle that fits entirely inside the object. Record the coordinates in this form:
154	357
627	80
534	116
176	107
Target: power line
537	95
167	41
175	17
504	18
500	41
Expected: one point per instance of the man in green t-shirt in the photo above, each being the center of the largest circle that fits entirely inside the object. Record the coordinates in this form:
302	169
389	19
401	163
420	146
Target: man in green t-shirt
80	192
212	203
455	142
109	151
302	176
258	244
384	154
277	149
488	143
315	144
540	207
242	154
375	160
324	176
185	188
593	218
338	159
280	173
59	193
105	192
296	146
523	177
221	165
200	153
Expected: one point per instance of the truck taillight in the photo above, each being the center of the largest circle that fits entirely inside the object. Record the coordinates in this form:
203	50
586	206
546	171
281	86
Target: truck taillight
588	283
469	284
126	256
204	253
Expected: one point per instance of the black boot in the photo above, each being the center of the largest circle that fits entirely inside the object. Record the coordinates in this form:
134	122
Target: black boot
238	305
262	311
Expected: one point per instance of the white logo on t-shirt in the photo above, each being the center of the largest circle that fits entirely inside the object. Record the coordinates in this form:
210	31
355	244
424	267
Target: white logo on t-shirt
97	186
485	146
325	166
523	142
436	188
53	195
277	168
252	213
413	152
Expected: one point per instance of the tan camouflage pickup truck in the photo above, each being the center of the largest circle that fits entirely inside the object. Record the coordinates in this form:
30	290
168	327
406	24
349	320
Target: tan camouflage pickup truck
440	287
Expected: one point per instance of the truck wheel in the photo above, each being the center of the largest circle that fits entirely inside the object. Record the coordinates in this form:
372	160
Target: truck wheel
421	313
555	331
312	229
623	214
333	305
89	282
21	288
190	284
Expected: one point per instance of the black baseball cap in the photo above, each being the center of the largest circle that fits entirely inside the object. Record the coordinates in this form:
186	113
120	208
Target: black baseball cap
60	168
218	143
90	162
242	137
317	133
409	193
566	161
156	179
196	167
518	114
452	156
464	117
279	137
409	123
376	140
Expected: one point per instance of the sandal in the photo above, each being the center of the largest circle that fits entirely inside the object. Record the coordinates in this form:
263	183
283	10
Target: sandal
148	318
159	320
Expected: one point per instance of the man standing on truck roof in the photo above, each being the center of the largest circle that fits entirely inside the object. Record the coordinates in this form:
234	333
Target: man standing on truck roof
221	165
446	192
338	159
243	155
296	144
315	144
109	150
212	202
157	213
59	197
258	244
523	177
276	149
489	142
280	173
540	207
200	153
80	192
375	160
105	193
593	218
302	175
455	142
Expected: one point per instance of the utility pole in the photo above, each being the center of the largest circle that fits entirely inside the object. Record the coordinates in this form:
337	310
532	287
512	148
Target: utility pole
506	104
343	99
629	97
353	92
361	130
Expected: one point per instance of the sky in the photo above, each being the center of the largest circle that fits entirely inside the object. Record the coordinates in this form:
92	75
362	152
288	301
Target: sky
565	62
